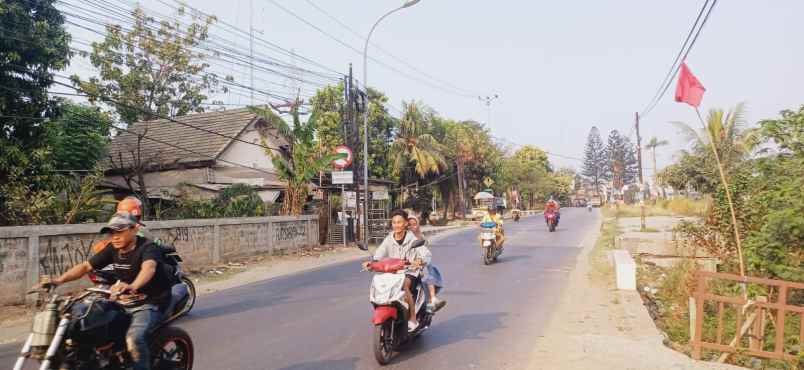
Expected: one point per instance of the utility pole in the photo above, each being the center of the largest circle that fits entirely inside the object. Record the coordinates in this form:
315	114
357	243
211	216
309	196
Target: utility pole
641	179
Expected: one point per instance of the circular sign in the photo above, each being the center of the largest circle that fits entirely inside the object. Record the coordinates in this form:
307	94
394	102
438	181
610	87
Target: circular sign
343	162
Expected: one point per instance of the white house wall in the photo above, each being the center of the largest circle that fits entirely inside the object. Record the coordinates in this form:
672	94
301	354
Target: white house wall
248	154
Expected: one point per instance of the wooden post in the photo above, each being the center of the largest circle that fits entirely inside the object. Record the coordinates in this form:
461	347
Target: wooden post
699	312
780	317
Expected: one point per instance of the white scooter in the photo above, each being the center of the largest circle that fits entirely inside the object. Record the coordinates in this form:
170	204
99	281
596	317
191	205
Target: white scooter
391	312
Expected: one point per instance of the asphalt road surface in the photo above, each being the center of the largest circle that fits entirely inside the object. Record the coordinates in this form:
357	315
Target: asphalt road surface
320	319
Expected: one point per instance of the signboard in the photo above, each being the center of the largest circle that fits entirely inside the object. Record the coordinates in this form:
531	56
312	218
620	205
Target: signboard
342	178
488	181
351	199
343	162
379	195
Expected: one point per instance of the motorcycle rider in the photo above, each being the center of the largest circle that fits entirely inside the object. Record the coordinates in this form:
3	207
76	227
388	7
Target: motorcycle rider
398	245
141	288
492	216
432	277
552	206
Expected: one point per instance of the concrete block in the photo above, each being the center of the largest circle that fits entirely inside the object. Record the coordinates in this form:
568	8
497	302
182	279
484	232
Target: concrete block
625	269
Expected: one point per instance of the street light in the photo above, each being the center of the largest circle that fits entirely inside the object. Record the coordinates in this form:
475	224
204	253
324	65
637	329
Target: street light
407	4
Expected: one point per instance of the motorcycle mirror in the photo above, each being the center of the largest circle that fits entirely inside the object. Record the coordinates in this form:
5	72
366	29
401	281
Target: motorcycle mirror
417	243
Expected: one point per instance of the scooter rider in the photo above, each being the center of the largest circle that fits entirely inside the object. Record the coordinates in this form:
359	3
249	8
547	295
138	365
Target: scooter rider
141	288
552	206
492	216
398	245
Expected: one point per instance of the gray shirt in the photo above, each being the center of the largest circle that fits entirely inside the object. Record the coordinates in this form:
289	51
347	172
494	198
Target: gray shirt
389	248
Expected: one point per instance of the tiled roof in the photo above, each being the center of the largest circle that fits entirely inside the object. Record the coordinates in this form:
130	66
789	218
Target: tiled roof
170	135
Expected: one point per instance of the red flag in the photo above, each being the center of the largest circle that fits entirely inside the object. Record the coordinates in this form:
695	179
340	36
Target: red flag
689	90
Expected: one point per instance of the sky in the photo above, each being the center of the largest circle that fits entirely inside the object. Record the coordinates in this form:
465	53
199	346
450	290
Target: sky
559	67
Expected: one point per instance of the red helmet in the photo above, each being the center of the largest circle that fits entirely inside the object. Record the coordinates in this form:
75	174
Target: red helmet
131	205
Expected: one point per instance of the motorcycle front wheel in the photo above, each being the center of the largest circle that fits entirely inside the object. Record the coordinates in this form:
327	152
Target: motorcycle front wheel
172	349
488	255
552	227
383	343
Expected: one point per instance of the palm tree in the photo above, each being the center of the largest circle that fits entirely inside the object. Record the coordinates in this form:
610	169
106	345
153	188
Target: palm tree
652	144
413	143
732	140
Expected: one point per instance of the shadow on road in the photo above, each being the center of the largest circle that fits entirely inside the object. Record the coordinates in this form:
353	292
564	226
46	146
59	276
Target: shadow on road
235	307
507	259
344	364
454	330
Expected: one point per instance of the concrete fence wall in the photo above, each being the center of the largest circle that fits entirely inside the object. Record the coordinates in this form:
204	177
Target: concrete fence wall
27	252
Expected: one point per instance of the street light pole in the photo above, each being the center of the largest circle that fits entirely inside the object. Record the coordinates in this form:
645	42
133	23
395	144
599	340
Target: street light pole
407	4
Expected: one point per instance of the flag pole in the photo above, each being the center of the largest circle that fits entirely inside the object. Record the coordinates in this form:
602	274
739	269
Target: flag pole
728	192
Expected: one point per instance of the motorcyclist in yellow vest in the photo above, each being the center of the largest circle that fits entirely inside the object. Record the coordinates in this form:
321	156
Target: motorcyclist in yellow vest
492	216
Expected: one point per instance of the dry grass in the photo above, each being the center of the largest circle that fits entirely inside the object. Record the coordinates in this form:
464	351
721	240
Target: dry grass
601	268
670	207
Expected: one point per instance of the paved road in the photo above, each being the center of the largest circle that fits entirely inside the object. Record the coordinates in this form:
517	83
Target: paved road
321	319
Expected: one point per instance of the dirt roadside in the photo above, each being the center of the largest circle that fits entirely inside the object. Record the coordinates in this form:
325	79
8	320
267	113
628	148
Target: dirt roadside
599	327
15	320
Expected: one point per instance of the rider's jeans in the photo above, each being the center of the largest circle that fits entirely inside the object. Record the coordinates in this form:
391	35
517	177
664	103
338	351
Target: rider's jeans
143	319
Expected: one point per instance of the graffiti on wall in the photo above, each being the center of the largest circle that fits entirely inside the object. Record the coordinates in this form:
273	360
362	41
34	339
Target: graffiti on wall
285	231
13	260
58	256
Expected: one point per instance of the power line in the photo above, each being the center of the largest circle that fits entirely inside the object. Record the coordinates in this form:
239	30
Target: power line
112	101
379	62
389	54
668	80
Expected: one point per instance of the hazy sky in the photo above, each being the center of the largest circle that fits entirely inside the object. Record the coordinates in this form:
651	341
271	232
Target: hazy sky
559	66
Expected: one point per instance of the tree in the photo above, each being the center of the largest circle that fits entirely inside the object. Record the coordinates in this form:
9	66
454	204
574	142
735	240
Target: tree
303	161
152	70
79	136
33	44
326	113
652	144
468	145
413	144
594	162
622	167
732	140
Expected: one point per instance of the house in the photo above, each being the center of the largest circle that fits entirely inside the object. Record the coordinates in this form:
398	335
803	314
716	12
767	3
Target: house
202	153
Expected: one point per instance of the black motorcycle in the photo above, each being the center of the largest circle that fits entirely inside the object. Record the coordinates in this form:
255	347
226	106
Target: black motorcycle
88	330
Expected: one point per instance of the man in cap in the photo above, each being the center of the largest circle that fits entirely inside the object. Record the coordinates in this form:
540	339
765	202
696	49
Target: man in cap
134	261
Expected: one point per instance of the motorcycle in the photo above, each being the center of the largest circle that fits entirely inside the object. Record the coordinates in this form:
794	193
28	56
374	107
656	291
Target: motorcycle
87	331
391	312
488	243
551	217
515	215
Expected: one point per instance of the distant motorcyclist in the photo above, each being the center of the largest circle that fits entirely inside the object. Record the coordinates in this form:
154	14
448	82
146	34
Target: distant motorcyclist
398	244
492	216
552	206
